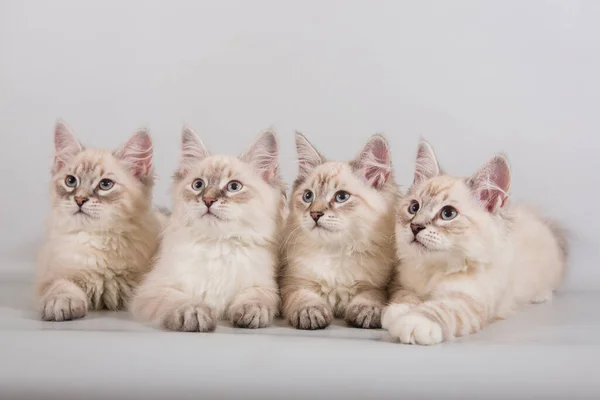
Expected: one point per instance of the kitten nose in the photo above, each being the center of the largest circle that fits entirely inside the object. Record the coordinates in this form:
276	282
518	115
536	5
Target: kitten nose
209	201
416	228
315	215
81	200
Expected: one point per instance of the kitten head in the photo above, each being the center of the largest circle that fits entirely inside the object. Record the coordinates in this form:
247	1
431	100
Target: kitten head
225	196
95	189
441	214
342	201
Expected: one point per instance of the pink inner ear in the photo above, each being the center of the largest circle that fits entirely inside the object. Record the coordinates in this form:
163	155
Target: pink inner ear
492	183
137	154
375	162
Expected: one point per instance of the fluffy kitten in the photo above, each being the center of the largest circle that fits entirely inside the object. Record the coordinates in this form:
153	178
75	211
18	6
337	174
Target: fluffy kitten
219	255
102	231
339	247
467	256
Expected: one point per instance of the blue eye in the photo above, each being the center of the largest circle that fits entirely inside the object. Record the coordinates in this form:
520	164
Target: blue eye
106	184
413	207
342	196
448	213
234	186
198	185
70	181
307	196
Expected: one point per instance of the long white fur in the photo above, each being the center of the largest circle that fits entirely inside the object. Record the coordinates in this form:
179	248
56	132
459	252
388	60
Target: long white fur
207	269
95	262
467	272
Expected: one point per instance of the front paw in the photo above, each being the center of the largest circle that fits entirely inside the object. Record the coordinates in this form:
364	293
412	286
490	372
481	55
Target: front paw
364	316
63	308
416	329
311	317
393	312
191	318
251	315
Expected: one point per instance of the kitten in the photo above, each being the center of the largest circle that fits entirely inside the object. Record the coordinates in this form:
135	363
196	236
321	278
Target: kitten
102	231
468	256
219	255
339	247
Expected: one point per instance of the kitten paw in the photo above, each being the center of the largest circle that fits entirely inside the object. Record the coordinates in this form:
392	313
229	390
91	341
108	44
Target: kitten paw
394	311
416	329
191	318
364	316
312	317
251	315
63	308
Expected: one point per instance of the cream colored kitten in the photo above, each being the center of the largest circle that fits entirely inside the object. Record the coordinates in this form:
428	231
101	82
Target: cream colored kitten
467	256
102	231
219	255
339	247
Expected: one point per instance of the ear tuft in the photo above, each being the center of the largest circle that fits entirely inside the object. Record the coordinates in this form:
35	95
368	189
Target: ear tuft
66	145
192	150
137	154
491	183
427	165
375	162
263	155
308	156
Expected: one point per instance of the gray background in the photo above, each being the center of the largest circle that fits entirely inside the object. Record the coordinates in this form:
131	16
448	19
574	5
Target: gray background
473	77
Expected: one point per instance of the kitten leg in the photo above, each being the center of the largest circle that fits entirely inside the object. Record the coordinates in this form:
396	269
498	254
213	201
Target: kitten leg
442	318
364	311
305	309
173	309
401	302
63	300
254	307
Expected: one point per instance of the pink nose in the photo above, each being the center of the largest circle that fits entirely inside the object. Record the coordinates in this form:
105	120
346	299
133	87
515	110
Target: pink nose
81	200
416	228
315	215
209	201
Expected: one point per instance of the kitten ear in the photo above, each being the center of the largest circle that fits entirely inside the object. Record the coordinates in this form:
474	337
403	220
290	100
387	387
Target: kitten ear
263	155
66	145
192	150
308	157
491	183
427	165
137	154
375	162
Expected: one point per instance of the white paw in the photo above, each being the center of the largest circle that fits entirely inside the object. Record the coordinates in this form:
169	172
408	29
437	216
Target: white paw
63	308
542	298
191	318
251	315
416	329
394	311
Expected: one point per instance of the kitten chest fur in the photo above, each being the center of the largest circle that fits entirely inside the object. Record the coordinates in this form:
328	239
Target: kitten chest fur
217	271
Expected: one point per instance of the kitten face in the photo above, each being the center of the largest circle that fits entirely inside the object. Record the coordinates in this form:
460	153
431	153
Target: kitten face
223	195
448	214
336	201
94	189
438	215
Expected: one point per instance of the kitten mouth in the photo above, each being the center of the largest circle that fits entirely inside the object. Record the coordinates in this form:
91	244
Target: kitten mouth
419	244
208	214
81	212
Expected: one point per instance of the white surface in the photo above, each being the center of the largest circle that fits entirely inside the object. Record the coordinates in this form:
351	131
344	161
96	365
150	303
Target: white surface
544	352
474	77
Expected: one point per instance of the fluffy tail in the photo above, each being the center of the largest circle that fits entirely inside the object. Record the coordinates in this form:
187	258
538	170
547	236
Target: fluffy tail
561	234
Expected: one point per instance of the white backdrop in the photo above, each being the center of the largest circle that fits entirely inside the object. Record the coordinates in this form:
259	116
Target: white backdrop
473	77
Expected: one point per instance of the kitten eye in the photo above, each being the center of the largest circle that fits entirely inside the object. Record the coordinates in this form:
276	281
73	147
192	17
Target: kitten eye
106	184
198	185
307	196
70	181
448	213
234	186
342	196
413	207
